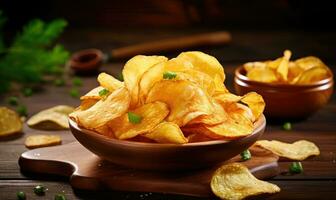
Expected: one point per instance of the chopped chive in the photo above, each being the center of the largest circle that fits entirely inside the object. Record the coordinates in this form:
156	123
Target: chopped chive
76	81
21	195
169	75
120	77
74	93
59	82
245	155
134	118
296	168
287	126
13	101
59	197
39	190
27	92
103	92
22	110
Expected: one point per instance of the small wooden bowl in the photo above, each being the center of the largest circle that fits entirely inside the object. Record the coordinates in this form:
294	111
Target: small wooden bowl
154	156
87	60
284	101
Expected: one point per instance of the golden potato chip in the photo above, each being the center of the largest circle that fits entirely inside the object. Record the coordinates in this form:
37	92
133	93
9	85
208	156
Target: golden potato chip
149	78
10	122
312	75
233	128
167	132
133	71
298	150
204	63
218	116
251	65
151	115
235	181
105	110
204	81
253	100
294	71
262	75
54	118
309	62
185	99
283	66
36	141
93	94
109	82
178	64
197	137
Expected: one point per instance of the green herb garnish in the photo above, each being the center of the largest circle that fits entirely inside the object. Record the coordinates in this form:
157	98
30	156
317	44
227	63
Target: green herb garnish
39	190
120	77
169	75
245	155
27	92
287	126
59	82
296	168
134	118
76	81
21	195
103	92
13	101
22	110
59	197
32	53
74	93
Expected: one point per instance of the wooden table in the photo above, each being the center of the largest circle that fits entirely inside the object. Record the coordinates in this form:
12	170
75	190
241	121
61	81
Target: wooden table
318	180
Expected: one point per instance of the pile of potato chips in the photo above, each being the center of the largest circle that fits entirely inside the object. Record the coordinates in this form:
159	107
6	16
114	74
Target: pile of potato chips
301	71
177	101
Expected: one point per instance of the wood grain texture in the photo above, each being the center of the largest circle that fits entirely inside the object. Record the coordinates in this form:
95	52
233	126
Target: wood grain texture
88	171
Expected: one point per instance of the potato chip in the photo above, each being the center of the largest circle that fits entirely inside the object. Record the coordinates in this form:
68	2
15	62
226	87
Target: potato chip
151	115
309	62
54	118
185	99
283	66
36	141
235	181
178	65
262	75
253	100
167	132
204	81
149	78
133	71
93	94
298	150
218	116
312	75
294	71
105	110
109	82
204	63
198	137
251	65
10	122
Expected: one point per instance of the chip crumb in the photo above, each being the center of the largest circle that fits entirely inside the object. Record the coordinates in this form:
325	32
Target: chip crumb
36	141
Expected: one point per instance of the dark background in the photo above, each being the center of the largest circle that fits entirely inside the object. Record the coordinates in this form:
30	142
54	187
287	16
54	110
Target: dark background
261	29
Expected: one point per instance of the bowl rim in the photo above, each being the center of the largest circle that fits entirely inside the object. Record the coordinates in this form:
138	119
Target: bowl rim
241	76
258	126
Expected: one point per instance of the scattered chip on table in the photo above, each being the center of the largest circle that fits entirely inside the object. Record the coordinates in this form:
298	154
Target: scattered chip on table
299	150
235	181
36	141
10	122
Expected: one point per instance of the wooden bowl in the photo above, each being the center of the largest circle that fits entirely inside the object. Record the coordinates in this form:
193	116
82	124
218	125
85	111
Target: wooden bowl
284	101
154	156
